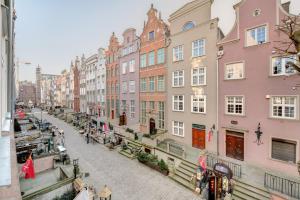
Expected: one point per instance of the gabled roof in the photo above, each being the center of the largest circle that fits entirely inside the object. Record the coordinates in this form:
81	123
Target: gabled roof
188	7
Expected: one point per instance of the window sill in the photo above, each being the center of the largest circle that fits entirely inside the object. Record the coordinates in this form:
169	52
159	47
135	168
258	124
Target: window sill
236	79
177	110
178	135
177	86
257	45
194	57
178	61
203	113
199	85
235	115
282	75
283	162
286	119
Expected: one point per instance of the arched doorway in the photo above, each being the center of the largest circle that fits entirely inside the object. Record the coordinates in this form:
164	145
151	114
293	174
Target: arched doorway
152	126
123	119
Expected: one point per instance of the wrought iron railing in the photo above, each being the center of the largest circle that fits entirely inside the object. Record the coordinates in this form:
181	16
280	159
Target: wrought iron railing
282	185
171	148
235	168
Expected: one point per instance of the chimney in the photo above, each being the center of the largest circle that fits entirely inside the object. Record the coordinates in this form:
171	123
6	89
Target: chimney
286	6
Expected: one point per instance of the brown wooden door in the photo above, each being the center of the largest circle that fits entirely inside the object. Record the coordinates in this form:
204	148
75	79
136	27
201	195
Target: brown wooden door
198	139
112	114
152	126
235	146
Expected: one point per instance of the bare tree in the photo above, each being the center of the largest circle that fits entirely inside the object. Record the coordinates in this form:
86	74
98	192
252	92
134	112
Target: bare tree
290	47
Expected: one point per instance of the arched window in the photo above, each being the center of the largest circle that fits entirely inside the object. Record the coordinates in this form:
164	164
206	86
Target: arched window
188	26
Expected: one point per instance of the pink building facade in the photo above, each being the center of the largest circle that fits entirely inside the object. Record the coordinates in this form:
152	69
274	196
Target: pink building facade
257	94
129	78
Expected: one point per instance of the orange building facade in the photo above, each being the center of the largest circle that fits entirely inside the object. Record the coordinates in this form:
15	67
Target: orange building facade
112	79
154	39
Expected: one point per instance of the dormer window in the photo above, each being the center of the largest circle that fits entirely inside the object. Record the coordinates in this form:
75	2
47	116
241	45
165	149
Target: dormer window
256	36
151	35
188	26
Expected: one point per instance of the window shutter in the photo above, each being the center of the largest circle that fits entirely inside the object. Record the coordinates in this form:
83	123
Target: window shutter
284	150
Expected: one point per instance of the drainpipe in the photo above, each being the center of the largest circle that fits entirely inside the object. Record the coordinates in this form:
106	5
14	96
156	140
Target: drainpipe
217	122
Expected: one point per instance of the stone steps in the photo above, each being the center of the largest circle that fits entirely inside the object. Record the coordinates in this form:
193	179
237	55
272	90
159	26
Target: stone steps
183	182
127	154
183	174
132	145
243	190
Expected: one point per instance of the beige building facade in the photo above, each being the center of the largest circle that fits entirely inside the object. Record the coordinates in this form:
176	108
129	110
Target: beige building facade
192	77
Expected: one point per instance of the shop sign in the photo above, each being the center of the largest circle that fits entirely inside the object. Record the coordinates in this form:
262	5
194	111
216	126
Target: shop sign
223	170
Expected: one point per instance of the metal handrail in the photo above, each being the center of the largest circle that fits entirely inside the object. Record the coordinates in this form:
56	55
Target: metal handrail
282	185
236	168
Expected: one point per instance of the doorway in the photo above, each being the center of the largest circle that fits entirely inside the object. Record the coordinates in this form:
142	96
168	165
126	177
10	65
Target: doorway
152	126
123	119
198	140
112	114
235	145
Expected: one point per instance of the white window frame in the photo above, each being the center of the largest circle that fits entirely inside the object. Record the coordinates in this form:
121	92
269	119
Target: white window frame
161	83
198	103
151	53
176	76
178	53
132	65
255	29
124	67
161	114
131	86
198	75
160	55
178	102
284	105
152	83
198	48
143	82
124	87
143	60
176	126
235	104
284	70
235	75
132	108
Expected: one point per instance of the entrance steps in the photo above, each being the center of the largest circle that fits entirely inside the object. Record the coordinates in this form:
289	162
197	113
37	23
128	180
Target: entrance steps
133	146
241	191
184	173
244	191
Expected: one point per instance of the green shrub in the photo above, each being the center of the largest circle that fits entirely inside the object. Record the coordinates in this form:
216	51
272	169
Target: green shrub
162	165
143	157
152	158
129	130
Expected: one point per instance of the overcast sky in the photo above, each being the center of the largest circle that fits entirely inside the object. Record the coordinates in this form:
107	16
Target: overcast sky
53	32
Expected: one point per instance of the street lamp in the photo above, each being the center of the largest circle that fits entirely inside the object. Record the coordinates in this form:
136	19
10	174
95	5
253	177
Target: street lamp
76	167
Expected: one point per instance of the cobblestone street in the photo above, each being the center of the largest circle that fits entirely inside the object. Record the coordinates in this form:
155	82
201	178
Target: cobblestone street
128	179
